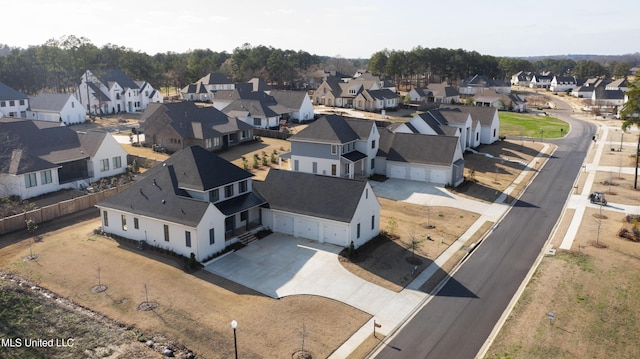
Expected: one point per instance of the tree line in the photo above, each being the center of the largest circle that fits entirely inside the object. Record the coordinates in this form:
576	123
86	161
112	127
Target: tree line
423	65
58	64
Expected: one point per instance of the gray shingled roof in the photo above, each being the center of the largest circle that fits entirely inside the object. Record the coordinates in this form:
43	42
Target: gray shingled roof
215	78
98	93
419	148
190	120
160	192
332	129
326	197
290	99
442	90
7	93
51	143
115	75
478	113
259	108
49	102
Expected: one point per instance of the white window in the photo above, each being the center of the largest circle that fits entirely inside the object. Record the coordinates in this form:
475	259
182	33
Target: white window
30	180
104	165
334	149
216	142
45	177
207	143
117	162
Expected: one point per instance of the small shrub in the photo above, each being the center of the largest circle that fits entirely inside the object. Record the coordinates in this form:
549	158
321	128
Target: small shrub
352	249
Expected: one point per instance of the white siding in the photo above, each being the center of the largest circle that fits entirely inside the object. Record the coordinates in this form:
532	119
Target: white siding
109	149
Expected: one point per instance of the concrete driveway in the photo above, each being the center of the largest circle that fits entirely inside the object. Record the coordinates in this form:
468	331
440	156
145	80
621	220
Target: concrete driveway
426	194
280	265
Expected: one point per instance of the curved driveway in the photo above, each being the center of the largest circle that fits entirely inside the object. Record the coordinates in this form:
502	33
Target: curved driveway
281	265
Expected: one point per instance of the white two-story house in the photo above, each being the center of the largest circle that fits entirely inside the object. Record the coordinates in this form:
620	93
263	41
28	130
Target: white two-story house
196	202
112	91
13	103
335	146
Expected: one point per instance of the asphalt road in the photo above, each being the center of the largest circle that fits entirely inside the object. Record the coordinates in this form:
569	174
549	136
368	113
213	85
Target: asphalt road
459	319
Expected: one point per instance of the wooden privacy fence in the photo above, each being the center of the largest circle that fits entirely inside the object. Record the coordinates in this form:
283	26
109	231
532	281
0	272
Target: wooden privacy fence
48	213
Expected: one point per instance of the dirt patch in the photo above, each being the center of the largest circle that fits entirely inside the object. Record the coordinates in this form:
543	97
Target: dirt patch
617	186
392	261
193	309
593	291
486	177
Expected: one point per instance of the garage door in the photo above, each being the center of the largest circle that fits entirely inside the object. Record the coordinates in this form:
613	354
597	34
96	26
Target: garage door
439	176
284	224
398	172
335	234
308	229
418	174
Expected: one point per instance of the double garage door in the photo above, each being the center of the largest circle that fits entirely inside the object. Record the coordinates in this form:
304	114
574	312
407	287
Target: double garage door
418	173
310	229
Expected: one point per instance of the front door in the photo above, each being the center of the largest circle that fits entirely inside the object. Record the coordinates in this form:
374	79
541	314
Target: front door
230	224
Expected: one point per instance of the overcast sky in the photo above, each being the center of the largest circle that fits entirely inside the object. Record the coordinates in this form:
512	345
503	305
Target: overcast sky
349	28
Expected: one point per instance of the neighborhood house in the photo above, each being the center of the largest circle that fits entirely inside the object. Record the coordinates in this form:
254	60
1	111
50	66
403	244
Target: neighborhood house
196	202
47	157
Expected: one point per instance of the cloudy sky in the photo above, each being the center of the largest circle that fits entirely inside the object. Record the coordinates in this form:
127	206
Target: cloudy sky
351	29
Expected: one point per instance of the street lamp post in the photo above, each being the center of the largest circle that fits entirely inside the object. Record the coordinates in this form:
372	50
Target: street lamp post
234	325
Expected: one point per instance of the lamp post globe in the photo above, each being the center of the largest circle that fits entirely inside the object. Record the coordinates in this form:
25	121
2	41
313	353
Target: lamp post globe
234	325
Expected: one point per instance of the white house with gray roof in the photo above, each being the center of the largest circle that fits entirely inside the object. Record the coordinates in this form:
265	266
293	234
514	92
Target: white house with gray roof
205	88
418	157
335	146
64	108
13	103
326	209
112	91
44	157
437	122
487	117
298	103
196	202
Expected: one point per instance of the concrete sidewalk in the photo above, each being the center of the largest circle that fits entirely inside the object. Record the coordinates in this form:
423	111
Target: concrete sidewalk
580	202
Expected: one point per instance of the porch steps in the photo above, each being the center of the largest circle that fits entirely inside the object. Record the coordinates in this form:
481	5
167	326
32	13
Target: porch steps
246	238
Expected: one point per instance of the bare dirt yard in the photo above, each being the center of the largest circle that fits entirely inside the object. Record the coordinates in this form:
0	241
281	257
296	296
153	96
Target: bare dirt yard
593	291
194	310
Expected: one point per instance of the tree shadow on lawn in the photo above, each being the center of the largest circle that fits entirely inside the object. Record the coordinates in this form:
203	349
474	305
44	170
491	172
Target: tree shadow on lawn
385	262
514	148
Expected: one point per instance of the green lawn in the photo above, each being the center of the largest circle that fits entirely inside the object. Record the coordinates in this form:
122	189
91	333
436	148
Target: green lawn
521	124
